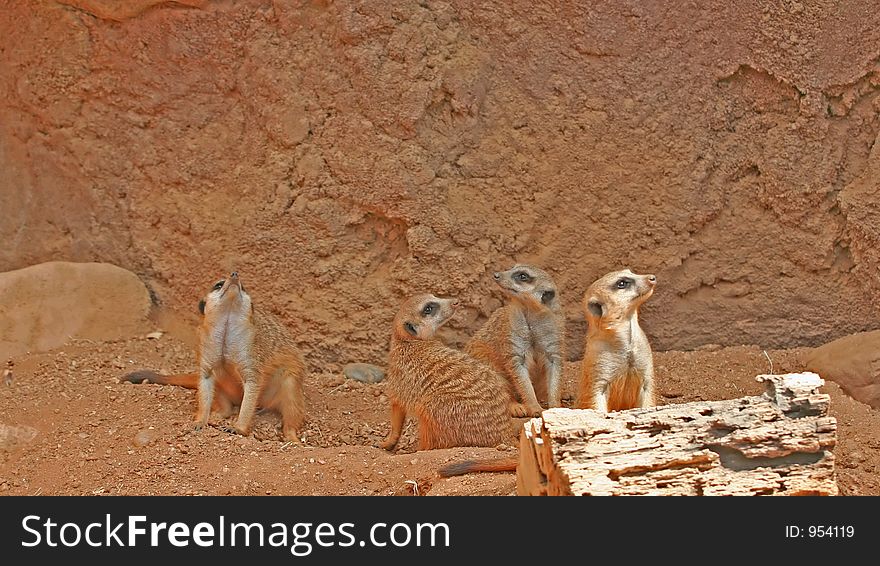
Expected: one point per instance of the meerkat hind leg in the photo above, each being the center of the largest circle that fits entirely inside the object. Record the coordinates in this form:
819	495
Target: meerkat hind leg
553	376
225	407
430	435
523	385
539	376
291	405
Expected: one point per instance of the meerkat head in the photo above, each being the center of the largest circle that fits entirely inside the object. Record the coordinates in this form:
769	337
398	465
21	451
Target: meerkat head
616	295
226	295
419	317
529	285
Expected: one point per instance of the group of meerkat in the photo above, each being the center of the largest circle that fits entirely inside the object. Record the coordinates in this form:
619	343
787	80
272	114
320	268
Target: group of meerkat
246	358
467	398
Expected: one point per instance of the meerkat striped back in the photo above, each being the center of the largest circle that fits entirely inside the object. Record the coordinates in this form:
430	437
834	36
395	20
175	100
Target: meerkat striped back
458	401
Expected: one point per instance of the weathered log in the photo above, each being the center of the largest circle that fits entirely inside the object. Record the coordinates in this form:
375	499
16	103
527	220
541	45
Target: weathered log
778	443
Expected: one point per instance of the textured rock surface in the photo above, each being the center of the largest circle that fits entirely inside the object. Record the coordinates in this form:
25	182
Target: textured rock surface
344	154
779	443
43	306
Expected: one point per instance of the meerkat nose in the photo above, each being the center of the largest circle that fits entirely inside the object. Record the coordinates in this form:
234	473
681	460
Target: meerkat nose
455	302
652	278
234	275
496	275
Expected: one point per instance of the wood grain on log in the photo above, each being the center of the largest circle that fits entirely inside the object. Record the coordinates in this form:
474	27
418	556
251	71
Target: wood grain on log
779	443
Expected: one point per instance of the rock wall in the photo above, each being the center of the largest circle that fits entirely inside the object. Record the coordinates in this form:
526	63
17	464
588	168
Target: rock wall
342	155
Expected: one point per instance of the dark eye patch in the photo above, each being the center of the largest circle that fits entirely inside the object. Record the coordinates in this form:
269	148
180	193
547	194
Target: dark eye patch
430	309
218	285
522	276
623	283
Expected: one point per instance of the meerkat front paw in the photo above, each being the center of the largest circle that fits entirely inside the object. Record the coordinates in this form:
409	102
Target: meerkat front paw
535	411
520	410
232	430
293	439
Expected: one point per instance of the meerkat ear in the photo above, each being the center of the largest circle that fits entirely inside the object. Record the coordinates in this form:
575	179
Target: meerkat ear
411	328
202	306
548	296
595	308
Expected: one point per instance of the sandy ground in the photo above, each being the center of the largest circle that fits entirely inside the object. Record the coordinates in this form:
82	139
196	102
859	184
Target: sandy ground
70	428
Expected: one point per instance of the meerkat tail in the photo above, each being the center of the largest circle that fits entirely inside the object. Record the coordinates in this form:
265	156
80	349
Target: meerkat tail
187	380
471	466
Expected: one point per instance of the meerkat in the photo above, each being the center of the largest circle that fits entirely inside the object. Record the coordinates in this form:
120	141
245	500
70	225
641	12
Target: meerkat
246	358
7	373
524	339
458	401
618	366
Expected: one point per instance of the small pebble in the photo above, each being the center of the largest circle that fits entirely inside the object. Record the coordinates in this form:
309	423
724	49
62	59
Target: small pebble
364	373
144	437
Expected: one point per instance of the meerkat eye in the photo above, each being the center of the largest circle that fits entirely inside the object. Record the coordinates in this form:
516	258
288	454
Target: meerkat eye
429	309
622	284
522	276
218	285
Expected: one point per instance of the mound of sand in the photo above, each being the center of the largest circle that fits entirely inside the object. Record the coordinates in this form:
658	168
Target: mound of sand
43	306
853	362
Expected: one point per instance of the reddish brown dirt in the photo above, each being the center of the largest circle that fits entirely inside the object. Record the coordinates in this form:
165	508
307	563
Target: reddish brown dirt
343	155
95	436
